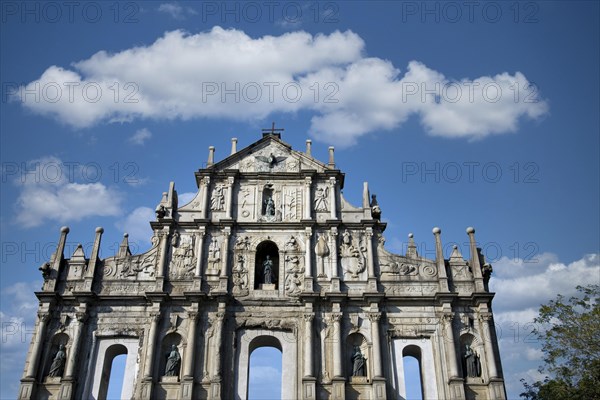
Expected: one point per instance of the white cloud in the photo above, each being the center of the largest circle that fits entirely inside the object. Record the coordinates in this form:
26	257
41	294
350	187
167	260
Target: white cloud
48	192
175	10
184	198
227	74
521	286
140	136
17	319
137	225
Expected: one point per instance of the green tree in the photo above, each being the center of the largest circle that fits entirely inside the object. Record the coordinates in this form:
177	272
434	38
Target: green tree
570	334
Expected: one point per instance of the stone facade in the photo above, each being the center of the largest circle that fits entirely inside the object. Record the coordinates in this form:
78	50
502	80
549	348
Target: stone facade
268	253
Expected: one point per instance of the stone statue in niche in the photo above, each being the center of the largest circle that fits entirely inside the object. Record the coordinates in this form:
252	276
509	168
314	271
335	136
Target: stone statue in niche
217	201
321	195
471	363
352	257
268	271
269	207
358	362
173	362
58	363
214	254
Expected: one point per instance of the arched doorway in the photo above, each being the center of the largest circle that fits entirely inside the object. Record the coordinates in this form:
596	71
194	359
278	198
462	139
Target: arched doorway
264	371
413	378
249	340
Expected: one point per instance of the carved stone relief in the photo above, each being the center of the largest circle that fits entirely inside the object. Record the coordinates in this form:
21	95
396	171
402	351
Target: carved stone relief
352	256
183	259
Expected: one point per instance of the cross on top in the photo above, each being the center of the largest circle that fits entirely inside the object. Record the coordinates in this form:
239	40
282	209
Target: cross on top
272	131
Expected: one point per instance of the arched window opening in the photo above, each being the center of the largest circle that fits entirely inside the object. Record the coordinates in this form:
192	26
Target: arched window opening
413	377
266	267
110	378
264	372
115	381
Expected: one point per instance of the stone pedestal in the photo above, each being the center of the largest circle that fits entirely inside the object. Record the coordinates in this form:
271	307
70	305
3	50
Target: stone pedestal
26	391
146	389
335	285
66	390
266	286
215	391
338	388
187	388
309	388
457	389
379	389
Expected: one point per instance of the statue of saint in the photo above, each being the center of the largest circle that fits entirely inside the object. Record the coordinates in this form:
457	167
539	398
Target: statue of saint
358	363
268	270
270	207
58	363
173	362
321	199
472	364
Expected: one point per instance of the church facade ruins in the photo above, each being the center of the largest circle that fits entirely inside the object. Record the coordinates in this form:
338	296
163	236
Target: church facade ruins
268	253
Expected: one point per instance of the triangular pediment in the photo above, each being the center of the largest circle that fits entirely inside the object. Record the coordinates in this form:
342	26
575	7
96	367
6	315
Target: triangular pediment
270	154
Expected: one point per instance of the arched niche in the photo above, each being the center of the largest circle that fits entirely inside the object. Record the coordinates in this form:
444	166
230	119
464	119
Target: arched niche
56	341
266	250
171	339
353	341
475	358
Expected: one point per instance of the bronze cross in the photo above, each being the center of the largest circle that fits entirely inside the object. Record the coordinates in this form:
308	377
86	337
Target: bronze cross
272	130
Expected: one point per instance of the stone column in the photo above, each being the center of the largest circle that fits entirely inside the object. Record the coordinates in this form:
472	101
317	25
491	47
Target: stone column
333	251
199	252
188	367
337	344
204	184
377	368
81	317
40	335
484	320
220	316
223	278
450	345
148	367
370	262
308	344
229	204
164	238
308	281
332	198
307	198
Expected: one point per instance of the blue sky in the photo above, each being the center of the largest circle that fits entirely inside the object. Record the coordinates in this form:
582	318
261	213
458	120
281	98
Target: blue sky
457	115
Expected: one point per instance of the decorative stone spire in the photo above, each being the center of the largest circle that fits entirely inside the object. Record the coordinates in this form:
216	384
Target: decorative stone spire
366	195
78	254
233	145
456	257
411	251
309	147
124	247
